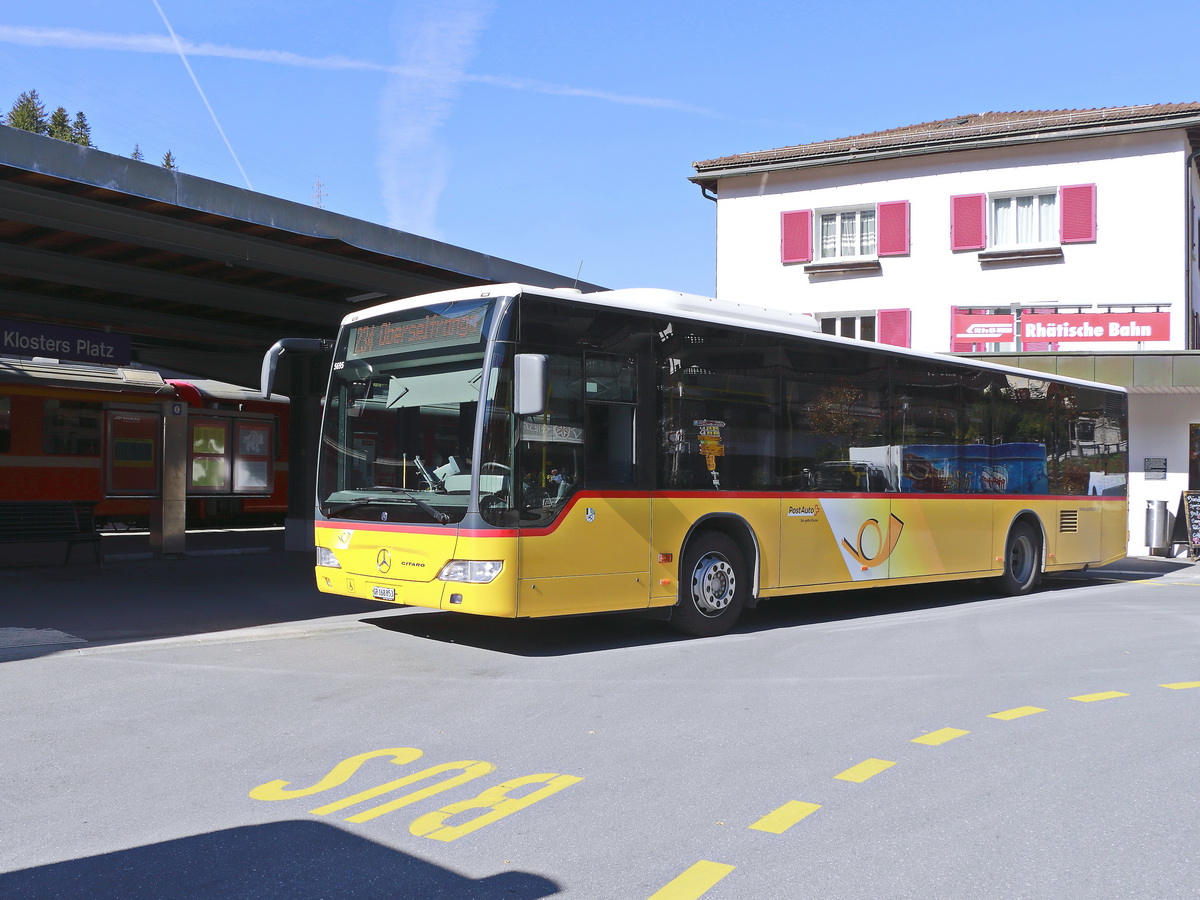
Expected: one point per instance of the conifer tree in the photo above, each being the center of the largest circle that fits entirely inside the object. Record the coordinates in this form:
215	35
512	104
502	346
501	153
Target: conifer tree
60	125
81	131
137	153
169	162
28	114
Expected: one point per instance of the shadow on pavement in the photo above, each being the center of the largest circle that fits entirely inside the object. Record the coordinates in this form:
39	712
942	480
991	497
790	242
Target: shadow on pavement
574	635
46	610
277	861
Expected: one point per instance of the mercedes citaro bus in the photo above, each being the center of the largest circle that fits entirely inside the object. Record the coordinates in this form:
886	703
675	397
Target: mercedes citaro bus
516	451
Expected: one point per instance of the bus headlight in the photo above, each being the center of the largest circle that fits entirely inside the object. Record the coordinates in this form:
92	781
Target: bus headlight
472	571
326	558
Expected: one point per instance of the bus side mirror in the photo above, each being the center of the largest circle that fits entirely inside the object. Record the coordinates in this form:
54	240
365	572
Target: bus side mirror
296	345
529	388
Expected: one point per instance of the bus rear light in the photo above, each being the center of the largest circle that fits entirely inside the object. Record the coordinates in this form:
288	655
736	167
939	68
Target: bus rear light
471	571
326	558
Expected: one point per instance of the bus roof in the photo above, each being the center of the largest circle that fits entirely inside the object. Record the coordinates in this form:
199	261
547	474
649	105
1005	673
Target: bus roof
710	310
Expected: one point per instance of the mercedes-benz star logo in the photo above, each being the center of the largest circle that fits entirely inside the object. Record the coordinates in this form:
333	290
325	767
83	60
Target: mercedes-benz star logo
383	561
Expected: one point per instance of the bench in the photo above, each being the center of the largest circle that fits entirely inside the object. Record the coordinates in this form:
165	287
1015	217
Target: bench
40	521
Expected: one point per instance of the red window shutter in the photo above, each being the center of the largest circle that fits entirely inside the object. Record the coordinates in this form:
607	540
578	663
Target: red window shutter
893	228
967	215
895	327
1077	213
796	229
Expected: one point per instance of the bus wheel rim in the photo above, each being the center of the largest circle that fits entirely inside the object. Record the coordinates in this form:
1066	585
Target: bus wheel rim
713	584
1021	558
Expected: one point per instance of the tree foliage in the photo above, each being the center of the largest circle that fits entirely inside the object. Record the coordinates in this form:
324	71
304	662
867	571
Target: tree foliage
28	114
60	125
81	131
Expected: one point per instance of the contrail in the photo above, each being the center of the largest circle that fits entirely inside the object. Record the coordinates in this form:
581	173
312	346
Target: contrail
78	39
200	91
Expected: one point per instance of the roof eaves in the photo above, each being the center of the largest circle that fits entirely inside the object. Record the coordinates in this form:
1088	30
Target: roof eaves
869	147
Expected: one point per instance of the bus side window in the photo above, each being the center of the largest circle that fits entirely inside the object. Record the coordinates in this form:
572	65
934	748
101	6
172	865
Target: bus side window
5	424
609	443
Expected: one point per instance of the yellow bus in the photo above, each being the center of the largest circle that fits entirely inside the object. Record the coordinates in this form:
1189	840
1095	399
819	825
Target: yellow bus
516	451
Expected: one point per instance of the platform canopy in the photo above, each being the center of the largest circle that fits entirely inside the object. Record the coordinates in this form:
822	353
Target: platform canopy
202	277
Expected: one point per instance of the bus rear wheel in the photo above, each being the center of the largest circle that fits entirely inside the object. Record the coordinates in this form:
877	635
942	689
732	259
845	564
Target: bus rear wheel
1022	560
713	586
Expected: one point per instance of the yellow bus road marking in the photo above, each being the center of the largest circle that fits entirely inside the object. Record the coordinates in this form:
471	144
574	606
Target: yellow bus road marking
868	768
1092	698
693	883
1181	685
941	736
785	817
1016	713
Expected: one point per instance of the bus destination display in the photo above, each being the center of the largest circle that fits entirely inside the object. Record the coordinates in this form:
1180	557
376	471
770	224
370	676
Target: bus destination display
428	333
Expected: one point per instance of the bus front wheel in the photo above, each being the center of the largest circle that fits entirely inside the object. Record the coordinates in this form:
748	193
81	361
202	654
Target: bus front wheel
1022	560
713	585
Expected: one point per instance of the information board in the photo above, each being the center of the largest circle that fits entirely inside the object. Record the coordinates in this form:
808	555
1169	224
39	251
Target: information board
1187	522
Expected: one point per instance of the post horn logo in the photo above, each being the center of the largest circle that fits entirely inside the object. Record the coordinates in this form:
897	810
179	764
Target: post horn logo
383	561
886	543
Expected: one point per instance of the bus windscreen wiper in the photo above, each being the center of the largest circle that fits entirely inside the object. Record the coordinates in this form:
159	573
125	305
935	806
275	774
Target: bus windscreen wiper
436	514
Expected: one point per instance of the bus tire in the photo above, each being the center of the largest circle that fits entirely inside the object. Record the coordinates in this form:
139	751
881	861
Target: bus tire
713	586
1022	560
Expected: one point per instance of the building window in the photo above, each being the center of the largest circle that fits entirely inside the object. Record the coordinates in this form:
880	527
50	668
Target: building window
861	327
847	234
855	236
1024	220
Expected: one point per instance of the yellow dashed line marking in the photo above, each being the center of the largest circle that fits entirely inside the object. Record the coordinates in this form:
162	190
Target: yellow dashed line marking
693	883
939	737
1181	685
785	817
1016	713
1092	698
868	768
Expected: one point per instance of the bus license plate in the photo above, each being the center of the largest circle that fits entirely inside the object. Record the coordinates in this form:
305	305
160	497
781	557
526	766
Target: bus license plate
382	593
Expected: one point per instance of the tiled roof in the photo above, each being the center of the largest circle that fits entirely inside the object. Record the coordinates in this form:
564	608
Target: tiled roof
947	133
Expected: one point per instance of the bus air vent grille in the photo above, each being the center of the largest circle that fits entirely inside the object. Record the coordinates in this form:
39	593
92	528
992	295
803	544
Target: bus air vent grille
1068	521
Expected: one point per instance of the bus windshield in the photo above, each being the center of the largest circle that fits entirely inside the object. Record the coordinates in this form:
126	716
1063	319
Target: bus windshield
400	414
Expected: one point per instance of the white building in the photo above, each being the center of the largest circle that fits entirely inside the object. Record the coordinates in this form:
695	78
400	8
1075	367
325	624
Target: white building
1061	241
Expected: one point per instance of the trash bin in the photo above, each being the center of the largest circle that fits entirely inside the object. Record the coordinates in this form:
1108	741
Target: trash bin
1157	525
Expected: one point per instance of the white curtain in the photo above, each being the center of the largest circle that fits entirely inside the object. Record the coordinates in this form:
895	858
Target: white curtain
828	236
849	234
866	246
1003	229
1047	221
1026	222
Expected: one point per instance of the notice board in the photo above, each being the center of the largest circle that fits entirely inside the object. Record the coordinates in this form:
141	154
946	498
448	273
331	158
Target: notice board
1187	522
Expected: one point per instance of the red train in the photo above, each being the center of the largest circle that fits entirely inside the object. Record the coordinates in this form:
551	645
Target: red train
73	431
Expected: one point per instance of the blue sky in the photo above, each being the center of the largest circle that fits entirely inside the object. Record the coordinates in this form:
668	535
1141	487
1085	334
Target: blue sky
557	134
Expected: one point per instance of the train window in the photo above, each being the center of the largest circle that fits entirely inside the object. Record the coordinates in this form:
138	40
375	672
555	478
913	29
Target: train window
71	428
5	424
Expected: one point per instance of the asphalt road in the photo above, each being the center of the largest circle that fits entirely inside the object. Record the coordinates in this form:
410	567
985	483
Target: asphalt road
213	727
